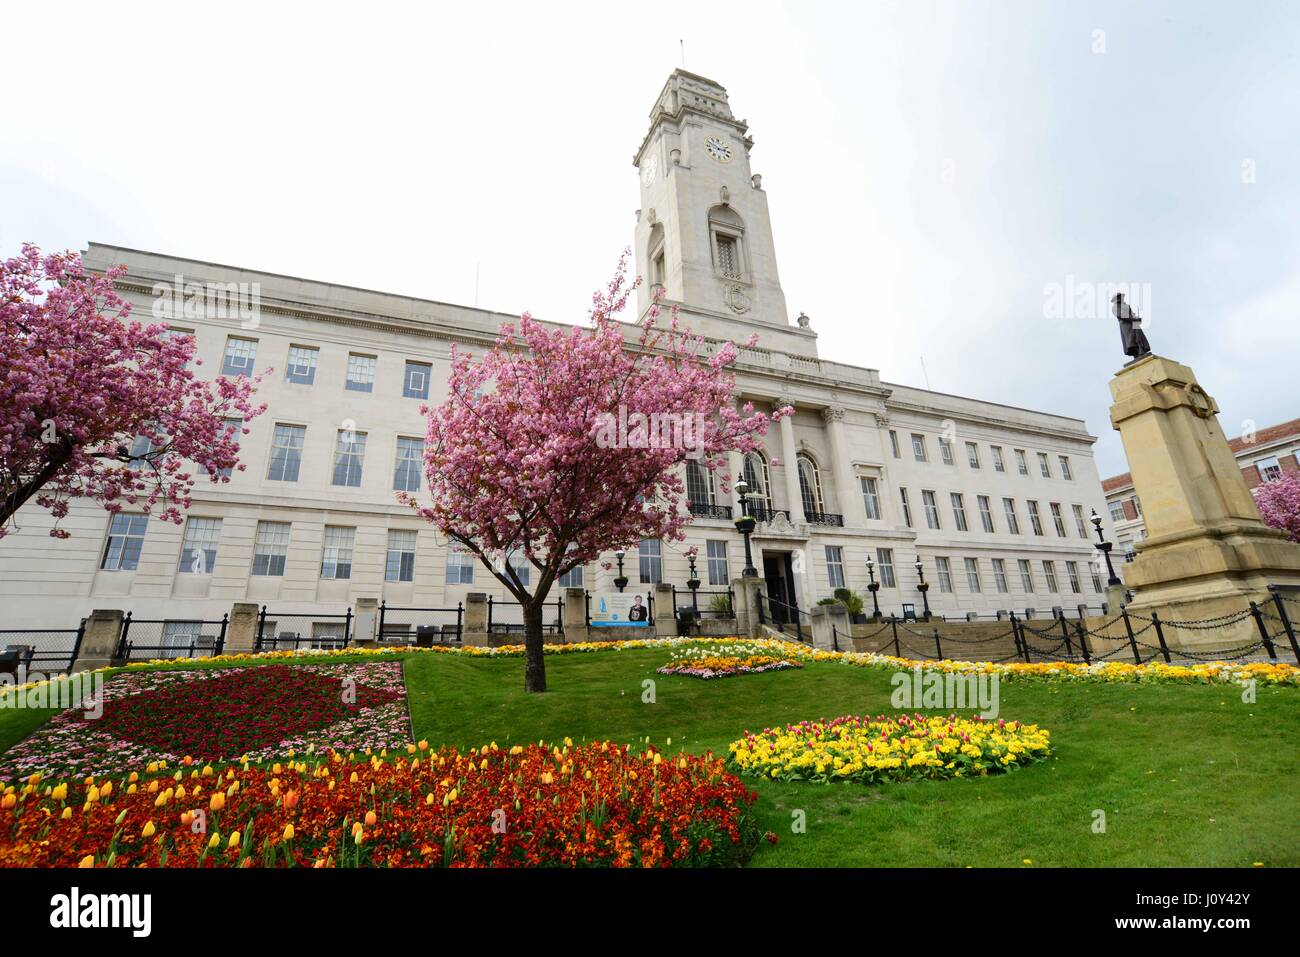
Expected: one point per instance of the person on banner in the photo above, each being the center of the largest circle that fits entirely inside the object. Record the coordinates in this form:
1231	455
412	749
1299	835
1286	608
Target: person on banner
638	611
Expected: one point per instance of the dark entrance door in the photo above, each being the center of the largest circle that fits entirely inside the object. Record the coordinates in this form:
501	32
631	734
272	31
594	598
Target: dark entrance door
778	574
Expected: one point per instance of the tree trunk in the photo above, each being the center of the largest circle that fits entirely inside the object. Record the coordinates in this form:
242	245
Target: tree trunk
534	660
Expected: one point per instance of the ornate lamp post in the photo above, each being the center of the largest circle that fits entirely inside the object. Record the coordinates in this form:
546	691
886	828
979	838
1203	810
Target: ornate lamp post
1104	547
923	588
745	525
620	582
693	583
873	588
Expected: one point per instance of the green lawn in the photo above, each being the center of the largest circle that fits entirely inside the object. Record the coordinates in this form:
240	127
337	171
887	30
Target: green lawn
1186	774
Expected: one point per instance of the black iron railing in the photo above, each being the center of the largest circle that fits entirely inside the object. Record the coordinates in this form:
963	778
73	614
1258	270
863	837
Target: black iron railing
705	510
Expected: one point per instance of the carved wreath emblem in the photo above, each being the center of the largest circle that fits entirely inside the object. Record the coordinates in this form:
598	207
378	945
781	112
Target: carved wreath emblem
737	299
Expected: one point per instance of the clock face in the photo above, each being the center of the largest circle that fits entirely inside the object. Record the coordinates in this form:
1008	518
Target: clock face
649	170
717	149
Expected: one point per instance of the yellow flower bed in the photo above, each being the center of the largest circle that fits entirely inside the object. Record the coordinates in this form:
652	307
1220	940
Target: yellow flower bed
895	747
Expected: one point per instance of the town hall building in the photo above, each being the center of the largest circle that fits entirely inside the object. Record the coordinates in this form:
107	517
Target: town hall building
992	500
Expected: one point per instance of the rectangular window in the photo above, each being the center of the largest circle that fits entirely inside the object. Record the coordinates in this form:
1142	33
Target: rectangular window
141	447
1066	472
1035	520
986	513
650	561
1021	463
406	470
728	260
460	565
1080	523
125	539
973	455
918	447
301	367
286	452
336	559
870	498
349	453
1096	580
270	547
998	464
1043	465
959	511
716	553
1049	572
1072	569
885	566
907	509
1013	523
1270	469
973	575
1000	574
235	428
416	383
1117	511
835	566
1057	519
945	451
931	509
1026	575
361	373
573	577
399	566
199	546
945	574
893	443
180	638
239	357
521	566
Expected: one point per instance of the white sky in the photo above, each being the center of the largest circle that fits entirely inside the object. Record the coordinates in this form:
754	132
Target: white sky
396	147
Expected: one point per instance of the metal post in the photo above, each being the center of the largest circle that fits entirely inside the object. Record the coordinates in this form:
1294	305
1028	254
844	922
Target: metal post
835	638
460	614
382	607
1286	621
586	600
221	638
261	626
122	641
1128	626
893	623
674	590
1082	634
347	627
76	645
1263	630
1160	635
1065	633
489	624
938	648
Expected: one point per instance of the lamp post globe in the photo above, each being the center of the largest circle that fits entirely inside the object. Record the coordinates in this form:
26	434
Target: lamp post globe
745	525
873	587
923	587
621	581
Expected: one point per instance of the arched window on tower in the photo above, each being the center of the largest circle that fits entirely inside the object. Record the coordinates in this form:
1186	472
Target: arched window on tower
656	259
756	477
810	486
727	239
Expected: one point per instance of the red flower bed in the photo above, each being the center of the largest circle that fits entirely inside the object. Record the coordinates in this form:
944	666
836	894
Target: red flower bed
596	804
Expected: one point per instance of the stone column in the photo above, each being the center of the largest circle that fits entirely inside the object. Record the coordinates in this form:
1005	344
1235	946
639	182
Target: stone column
365	622
830	626
99	644
241	632
1207	552
846	483
791	465
475	627
575	615
748	592
665	623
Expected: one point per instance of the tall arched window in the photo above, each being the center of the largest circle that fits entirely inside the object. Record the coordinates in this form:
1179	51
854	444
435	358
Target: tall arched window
727	237
756	477
810	485
699	485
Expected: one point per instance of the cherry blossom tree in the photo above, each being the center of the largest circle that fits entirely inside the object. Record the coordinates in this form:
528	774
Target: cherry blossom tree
1279	503
561	444
95	405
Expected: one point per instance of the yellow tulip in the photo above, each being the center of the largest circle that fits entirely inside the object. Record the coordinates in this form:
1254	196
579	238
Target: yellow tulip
87	861
234	839
149	830
288	832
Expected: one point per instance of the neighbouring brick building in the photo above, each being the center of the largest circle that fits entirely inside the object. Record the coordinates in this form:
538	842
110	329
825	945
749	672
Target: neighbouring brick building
1263	455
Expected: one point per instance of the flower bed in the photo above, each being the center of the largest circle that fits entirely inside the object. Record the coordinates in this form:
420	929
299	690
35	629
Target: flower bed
723	660
213	713
594	804
888	748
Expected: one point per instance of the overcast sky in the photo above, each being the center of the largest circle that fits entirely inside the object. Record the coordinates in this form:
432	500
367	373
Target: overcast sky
931	167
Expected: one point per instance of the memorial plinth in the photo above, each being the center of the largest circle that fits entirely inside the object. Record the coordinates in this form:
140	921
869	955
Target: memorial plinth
1207	551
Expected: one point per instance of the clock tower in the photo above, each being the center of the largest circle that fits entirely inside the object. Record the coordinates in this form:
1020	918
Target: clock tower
703	232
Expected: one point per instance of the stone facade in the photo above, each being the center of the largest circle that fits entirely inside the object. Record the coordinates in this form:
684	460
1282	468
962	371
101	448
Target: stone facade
854	448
